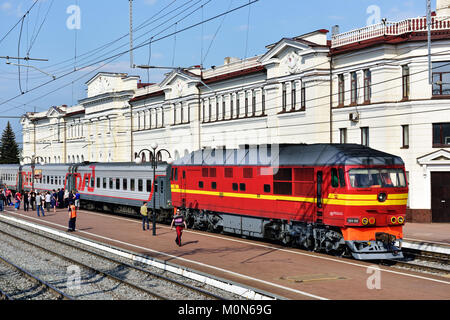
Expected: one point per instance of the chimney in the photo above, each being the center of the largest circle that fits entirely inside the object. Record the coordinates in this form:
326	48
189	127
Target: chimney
443	7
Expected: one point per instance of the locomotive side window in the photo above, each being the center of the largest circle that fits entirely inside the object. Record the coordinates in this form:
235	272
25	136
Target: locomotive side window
200	184
242	186
235	187
267	188
282	181
342	177
334	178
214	185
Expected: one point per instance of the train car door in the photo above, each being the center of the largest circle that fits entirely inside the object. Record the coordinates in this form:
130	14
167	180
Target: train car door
319	198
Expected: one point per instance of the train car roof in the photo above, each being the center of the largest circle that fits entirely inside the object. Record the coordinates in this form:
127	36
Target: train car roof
9	166
123	165
291	154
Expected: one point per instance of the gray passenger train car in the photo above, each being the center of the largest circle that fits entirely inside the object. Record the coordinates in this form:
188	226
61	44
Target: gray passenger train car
9	176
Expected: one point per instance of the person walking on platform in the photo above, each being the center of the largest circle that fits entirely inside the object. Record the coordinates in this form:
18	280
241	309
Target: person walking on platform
39	203
26	204
77	200
144	214
66	198
180	223
32	199
72	217
18	199
54	199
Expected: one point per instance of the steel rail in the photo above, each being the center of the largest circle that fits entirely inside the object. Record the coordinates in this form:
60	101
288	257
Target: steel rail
146	272
61	295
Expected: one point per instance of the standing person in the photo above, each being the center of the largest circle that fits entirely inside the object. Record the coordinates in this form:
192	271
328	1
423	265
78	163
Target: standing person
8	197
144	214
72	217
61	198
32	199
18	199
39	202
2	200
26	204
180	223
77	200
66	198
54	200
71	197
48	200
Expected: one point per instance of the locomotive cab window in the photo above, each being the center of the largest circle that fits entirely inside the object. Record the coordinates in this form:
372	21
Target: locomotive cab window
377	178
342	177
334	178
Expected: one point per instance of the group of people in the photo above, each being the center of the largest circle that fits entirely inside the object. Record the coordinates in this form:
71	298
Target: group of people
38	200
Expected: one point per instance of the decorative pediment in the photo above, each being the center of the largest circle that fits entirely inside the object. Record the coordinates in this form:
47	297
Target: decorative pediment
278	51
436	158
54	112
178	82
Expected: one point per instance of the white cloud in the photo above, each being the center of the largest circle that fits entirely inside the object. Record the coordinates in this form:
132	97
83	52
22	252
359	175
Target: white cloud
6	6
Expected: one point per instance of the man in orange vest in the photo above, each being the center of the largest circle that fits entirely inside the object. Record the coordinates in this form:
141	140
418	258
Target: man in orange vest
72	217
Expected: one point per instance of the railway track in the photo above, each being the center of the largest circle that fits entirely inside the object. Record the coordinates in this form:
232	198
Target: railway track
423	261
22	284
150	285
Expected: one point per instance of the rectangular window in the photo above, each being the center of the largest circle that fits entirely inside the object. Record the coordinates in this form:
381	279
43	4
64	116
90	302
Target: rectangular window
132	184
441	135
354	87
405	136
253	103
343	135
214	185
98	182
267	188
365	136
200	184
334	178
341	90
367	85
441	78
104	183
231	107
405	82
263	102
110	183
303	96
293	95
117	183
242	186
284	98
235	187
224	110
246	103
125	184
342	177
149	185
140	185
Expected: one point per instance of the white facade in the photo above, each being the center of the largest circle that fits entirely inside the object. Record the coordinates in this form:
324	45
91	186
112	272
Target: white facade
370	89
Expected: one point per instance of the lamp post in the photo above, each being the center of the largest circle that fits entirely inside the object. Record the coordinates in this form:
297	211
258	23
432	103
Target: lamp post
155	157
33	159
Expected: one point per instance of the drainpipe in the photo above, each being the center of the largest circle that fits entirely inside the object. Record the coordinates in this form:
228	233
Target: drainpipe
331	99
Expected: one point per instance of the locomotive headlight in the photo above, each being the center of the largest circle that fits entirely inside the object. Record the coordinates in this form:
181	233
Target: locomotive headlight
400	220
365	221
382	197
372	220
393	220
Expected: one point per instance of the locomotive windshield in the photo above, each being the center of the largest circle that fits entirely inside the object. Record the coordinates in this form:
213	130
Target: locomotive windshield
377	178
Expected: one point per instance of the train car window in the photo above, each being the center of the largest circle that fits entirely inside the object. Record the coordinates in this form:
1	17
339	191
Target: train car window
212	172
235	187
200	184
86	181
149	185
132	184
48	179
110	183
248	173
267	188
117	183
51	179
342	177
282	174
98	182
334	178
92	182
304	174
214	185
140	185
228	172
124	184
104	183
205	172
242	186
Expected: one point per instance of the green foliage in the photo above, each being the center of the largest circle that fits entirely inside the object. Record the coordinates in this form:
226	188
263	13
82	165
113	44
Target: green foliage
9	150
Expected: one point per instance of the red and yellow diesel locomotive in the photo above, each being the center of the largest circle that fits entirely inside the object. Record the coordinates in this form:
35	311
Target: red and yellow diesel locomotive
338	198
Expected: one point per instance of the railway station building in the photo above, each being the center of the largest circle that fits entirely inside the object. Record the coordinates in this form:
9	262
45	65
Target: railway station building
368	86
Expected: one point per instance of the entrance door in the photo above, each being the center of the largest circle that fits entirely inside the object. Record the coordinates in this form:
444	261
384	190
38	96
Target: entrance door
440	196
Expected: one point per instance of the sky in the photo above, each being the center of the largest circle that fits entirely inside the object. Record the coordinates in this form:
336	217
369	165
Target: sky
76	36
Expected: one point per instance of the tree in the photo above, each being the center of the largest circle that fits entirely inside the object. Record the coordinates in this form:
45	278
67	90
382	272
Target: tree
9	150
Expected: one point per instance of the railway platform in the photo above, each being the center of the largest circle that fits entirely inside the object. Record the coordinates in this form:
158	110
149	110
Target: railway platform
285	272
